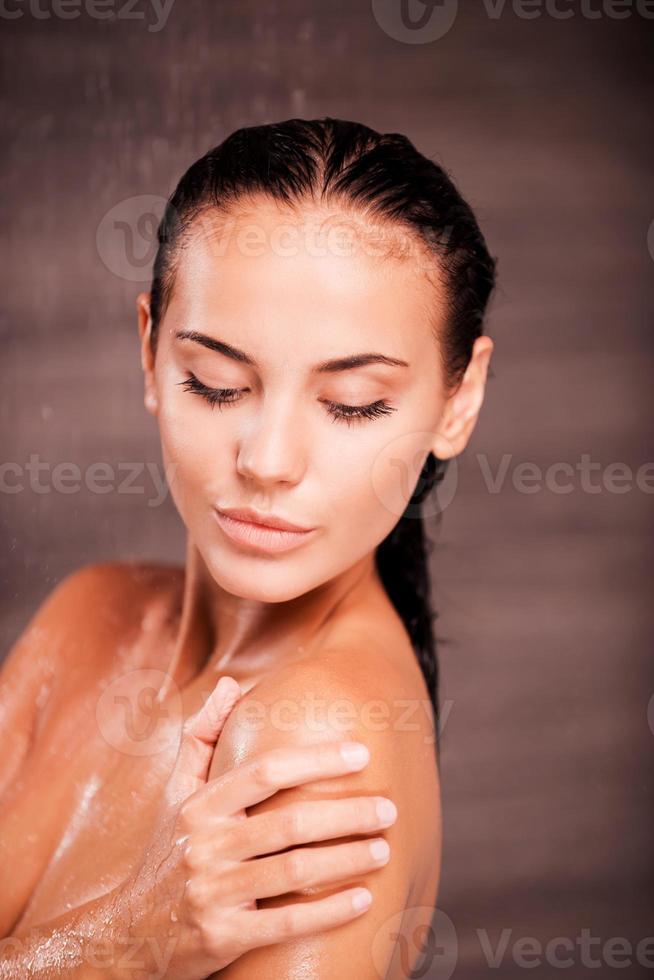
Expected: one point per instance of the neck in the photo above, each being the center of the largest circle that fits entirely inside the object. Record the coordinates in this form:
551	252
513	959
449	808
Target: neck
221	633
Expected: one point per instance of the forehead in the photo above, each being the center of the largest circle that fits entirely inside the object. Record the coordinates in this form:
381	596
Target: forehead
264	261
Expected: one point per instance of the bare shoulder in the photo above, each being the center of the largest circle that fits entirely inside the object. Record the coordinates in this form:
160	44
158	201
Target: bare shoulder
107	583
104	582
101	600
359	690
70	640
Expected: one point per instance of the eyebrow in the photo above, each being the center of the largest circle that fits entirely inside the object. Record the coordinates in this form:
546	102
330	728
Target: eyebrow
325	367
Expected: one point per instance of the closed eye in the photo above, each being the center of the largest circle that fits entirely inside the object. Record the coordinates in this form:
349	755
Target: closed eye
338	411
350	413
215	396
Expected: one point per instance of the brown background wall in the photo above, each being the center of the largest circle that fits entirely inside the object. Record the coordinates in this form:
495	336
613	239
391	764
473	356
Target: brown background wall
544	597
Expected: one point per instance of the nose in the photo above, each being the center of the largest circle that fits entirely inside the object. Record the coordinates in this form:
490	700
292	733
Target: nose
270	451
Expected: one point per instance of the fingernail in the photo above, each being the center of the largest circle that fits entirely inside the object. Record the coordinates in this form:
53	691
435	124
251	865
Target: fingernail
225	682
386	811
356	754
380	849
362	900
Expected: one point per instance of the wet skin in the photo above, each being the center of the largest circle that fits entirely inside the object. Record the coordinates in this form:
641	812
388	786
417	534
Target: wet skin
77	811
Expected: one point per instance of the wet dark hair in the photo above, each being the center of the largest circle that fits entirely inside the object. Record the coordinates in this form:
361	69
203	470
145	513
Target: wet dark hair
384	179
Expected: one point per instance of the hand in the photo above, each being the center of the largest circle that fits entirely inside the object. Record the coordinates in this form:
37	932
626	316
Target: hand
193	899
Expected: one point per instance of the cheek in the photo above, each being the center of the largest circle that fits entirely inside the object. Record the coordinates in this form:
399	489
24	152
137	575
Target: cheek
397	470
374	489
192	454
369	487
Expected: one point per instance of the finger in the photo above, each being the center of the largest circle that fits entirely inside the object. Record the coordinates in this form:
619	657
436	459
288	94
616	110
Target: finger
263	927
304	867
276	769
199	736
302	823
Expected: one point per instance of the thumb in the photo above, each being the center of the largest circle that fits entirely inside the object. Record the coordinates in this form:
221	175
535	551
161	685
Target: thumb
199	736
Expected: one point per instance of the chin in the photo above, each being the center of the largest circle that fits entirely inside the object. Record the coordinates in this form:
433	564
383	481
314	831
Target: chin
260	580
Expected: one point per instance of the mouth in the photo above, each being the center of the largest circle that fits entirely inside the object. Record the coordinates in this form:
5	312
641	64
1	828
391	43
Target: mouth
252	531
250	516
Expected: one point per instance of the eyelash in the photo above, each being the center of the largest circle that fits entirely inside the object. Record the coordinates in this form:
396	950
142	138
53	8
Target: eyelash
339	412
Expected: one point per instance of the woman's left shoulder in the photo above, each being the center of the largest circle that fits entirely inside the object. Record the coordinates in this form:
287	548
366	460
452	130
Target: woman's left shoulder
357	689
363	682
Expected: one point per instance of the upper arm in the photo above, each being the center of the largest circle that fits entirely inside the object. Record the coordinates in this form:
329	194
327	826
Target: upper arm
64	647
361	947
28	670
50	672
43	654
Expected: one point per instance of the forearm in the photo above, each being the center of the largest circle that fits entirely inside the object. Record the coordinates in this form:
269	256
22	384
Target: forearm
91	941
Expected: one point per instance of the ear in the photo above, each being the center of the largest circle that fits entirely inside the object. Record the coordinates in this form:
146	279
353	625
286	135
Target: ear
462	408
150	398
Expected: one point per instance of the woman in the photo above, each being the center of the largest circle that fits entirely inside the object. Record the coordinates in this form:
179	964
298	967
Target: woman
313	353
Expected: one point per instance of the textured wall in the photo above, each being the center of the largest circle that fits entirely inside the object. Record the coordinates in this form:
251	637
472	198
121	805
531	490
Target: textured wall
544	596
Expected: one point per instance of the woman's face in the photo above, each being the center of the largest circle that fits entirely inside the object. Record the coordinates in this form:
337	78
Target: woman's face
285	302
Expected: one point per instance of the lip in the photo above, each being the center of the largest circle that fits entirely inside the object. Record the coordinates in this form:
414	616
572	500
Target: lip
239	525
251	516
